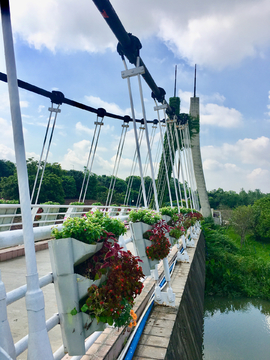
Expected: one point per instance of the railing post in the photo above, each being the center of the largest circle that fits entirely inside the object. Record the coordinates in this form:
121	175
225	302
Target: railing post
39	344
6	340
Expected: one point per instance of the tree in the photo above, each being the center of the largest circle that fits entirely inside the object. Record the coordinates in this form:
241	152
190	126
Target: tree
69	186
51	189
7	168
9	188
262	218
243	221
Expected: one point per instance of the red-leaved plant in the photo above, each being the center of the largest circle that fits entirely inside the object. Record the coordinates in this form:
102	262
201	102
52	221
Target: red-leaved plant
112	301
161	245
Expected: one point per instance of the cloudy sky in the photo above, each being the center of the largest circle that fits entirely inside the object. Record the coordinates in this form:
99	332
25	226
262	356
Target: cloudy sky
67	46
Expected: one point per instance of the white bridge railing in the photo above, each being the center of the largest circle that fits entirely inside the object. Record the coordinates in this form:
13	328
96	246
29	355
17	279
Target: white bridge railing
44	217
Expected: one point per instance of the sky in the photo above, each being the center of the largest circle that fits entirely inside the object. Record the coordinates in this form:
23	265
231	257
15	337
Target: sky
67	46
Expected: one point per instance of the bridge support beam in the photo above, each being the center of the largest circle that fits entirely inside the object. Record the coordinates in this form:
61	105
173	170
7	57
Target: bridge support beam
197	161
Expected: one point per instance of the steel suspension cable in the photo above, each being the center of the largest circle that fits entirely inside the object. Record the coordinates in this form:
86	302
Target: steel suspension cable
152	136
133	167
185	164
172	135
136	135
88	159
119	158
115	164
93	157
179	155
158	155
170	152
164	155
41	155
147	136
56	111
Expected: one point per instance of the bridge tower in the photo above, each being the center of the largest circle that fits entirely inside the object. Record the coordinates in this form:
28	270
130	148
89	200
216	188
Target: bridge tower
196	155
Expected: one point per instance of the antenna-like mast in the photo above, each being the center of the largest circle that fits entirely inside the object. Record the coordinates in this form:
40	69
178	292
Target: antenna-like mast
195	82
175	81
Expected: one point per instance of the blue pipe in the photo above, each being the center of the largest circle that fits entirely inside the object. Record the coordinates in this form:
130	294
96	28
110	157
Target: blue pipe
138	334
139	331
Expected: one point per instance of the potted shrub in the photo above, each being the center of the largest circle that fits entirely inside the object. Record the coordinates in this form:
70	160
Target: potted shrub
90	253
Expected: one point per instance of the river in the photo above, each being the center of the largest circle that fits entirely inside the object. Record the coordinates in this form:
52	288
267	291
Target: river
236	329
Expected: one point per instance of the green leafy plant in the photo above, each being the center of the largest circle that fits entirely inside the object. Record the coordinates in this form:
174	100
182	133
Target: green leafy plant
81	229
111	225
76	203
51	203
168	211
149	217
3	201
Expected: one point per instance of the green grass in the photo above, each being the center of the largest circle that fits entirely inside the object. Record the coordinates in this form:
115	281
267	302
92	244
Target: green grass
232	270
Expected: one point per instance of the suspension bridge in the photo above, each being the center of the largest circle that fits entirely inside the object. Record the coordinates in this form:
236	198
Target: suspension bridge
177	161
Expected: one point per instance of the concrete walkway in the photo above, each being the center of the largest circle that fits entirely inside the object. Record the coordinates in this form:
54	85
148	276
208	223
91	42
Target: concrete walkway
14	275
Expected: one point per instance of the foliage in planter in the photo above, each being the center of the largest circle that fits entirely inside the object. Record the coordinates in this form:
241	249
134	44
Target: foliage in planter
76	203
161	245
50	203
168	211
112	301
111	225
160	248
177	232
97	204
3	201
146	216
81	229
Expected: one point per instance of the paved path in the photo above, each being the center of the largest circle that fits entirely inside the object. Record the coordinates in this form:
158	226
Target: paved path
13	273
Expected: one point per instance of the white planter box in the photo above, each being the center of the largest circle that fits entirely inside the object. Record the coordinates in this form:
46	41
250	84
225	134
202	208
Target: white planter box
7	220
70	288
45	216
137	230
71	211
167	218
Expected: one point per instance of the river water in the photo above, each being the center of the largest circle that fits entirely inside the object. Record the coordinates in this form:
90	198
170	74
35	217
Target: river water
236	329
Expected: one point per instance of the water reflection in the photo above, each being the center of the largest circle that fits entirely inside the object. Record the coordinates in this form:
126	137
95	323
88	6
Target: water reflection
236	329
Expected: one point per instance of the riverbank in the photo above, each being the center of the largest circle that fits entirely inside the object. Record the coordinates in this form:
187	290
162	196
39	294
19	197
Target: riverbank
233	271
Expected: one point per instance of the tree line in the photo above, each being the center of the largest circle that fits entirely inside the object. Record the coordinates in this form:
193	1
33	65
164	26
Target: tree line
59	184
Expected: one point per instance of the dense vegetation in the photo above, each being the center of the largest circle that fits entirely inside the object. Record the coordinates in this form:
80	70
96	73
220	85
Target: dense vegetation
59	184
220	199
237	267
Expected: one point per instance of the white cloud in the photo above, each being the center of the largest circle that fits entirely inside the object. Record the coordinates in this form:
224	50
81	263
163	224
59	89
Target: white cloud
211	33
213	114
210	113
7	153
243	164
83	129
96	102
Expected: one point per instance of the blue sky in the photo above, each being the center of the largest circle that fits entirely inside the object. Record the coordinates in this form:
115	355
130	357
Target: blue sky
67	46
